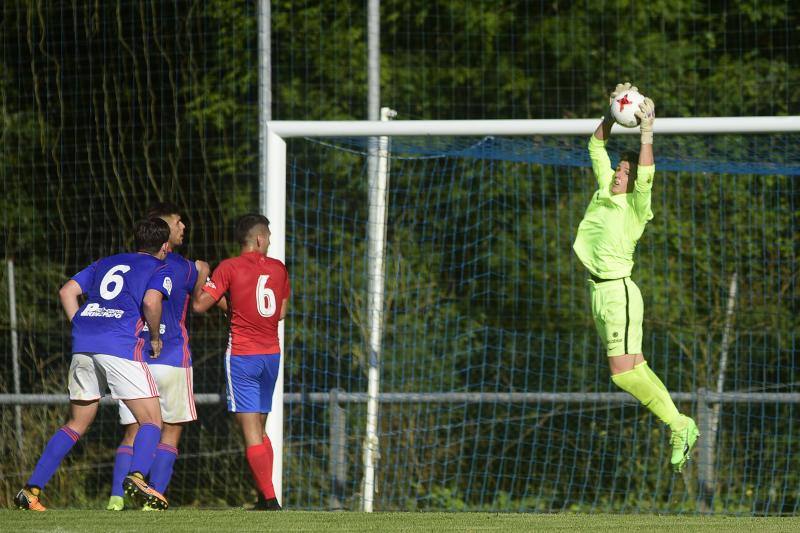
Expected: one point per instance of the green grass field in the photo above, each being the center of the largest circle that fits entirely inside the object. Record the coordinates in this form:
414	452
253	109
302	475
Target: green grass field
241	521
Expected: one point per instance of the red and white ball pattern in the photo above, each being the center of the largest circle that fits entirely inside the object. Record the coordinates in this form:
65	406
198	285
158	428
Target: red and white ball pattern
623	107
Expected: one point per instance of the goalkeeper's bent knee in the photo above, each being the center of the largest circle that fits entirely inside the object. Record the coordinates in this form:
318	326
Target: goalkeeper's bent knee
651	393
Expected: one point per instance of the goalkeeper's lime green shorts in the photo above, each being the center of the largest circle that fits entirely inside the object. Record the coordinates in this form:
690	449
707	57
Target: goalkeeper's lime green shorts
618	311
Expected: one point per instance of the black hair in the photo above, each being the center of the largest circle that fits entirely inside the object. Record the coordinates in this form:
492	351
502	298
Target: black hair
245	225
150	234
163	209
632	158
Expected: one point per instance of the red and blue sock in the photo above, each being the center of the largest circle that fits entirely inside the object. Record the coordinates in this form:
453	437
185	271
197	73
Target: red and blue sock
163	464
122	465
57	448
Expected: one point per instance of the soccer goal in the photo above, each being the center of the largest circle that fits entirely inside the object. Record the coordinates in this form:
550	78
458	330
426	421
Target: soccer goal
441	352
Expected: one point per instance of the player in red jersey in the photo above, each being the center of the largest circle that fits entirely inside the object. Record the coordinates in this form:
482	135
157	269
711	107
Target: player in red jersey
257	290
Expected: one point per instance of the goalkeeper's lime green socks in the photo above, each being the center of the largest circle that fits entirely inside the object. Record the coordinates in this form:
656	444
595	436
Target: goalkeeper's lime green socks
644	385
653	377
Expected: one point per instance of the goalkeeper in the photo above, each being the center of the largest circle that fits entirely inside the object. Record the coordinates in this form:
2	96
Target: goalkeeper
613	223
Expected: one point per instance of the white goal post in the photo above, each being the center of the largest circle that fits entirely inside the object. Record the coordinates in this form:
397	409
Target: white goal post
273	190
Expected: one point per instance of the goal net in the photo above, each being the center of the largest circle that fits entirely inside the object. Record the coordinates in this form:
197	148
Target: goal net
494	391
494	388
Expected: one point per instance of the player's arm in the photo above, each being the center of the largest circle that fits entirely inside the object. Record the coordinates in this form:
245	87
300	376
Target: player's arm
69	295
202	302
158	288
212	290
152	304
203	270
601	164
284	306
647	117
646	169
603	131
285	291
71	291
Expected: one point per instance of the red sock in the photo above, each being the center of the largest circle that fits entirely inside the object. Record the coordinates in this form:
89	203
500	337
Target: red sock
268	446
261	466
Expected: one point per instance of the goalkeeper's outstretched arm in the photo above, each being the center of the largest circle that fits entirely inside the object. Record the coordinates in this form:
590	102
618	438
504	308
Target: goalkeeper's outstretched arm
603	130
601	164
647	116
646	168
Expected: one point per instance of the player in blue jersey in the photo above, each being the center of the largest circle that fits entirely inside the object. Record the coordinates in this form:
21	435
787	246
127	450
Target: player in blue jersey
124	292
172	370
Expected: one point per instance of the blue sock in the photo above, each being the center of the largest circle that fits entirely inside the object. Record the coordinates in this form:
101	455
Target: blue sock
144	447
161	471
122	465
57	448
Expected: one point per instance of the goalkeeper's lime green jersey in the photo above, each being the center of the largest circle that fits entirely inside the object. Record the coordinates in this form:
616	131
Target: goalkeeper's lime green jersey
613	223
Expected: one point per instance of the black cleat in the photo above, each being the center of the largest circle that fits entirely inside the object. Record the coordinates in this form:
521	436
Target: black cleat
266	505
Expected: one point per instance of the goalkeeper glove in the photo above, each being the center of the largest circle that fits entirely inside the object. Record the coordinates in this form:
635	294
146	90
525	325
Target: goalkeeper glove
646	115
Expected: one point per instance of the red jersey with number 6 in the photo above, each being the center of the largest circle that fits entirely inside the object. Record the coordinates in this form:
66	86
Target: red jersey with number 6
256	287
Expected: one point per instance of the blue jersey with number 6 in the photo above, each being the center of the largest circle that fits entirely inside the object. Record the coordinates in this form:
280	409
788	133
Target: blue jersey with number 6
111	319
174	334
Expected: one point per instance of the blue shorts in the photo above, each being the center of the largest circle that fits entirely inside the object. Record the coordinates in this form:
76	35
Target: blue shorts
251	382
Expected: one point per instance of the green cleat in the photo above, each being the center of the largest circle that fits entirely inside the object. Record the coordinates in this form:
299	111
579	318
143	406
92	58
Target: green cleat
115	503
682	441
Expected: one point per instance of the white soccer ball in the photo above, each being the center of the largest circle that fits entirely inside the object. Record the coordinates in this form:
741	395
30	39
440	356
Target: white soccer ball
624	106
